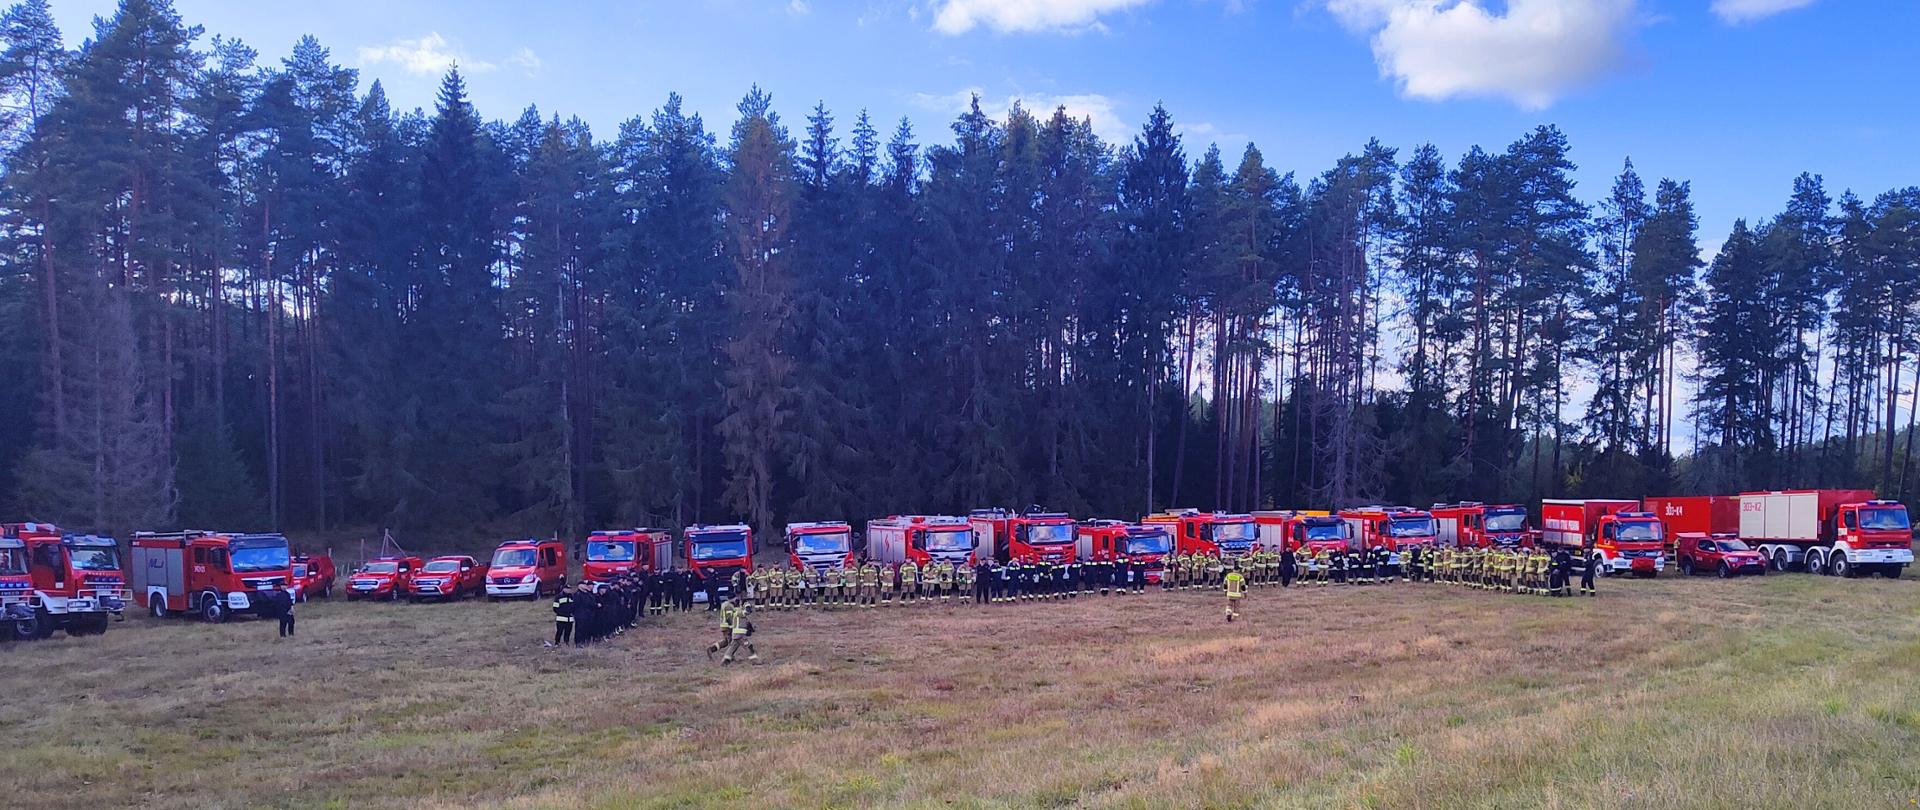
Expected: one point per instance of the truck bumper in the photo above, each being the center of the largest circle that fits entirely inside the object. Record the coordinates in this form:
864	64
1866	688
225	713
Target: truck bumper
519	589
1880	556
1622	565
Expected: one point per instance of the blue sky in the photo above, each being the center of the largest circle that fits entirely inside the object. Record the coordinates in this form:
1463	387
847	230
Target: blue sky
1737	96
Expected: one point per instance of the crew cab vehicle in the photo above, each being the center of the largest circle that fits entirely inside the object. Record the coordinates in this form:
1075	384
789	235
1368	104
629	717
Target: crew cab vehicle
386	578
527	568
1724	554
313	575
450	577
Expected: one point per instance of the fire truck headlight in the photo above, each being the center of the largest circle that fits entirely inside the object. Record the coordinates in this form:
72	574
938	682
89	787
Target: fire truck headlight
527	580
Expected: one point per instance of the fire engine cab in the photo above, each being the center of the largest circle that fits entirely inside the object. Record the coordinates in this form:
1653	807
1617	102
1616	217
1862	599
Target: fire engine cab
1031	536
822	546
1302	531
74	581
1476	525
612	553
923	539
1397	528
1614	535
717	552
1209	533
213	575
1147	543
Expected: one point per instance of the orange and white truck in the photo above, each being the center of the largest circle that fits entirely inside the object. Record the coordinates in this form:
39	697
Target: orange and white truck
924	539
1837	532
1616	536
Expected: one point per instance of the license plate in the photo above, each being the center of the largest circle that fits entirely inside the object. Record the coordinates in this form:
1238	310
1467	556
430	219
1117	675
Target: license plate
79	604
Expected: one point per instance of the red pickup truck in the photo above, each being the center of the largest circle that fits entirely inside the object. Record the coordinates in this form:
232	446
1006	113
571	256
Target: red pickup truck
312	575
386	578
451	577
1724	554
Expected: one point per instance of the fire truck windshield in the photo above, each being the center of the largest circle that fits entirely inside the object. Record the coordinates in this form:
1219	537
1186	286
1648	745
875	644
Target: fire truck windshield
1149	543
719	547
1232	531
951	540
380	567
1411	527
13	560
248	557
1325	531
442	567
1885	518
1644	531
1052	534
810	544
95	558
610	550
513	558
1506	521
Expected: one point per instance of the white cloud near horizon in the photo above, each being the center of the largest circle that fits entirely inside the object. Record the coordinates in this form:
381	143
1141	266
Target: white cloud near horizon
954	17
427	56
1530	53
1102	111
1736	12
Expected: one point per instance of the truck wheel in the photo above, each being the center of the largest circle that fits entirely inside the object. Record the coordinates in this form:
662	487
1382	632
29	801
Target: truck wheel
157	606
212	610
92	624
43	624
1686	566
1837	566
1814	564
1779	559
1893	571
27	629
1725	571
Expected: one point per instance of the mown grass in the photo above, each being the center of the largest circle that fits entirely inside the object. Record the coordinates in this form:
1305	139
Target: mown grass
1790	691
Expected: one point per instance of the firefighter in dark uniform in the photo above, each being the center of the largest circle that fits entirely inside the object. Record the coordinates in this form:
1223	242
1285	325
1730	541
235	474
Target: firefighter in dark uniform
1587	570
1289	567
1562	572
1416	565
1338	565
562	618
586	614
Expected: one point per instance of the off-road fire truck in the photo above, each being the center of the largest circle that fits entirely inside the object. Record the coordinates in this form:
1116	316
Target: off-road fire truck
313	575
618	551
1031	536
75	581
388	578
1211	533
924	539
716	552
1302	531
1837	532
527	568
1477	525
1146	543
210	574
1616	535
1398	529
448	578
820	546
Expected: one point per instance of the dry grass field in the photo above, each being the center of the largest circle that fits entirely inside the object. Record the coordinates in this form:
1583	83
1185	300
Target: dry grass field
1790	692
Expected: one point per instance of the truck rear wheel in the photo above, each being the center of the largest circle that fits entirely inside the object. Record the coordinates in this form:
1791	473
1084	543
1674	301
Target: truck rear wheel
1779	559
1837	565
1686	566
157	606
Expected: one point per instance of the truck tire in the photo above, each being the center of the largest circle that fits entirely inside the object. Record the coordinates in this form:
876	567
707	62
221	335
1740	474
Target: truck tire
1778	560
27	629
1893	571
1686	566
157	607
1814	564
212	610
1837	565
90	624
43	624
1725	571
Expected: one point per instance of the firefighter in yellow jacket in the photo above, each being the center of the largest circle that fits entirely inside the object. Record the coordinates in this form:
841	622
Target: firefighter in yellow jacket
1236	588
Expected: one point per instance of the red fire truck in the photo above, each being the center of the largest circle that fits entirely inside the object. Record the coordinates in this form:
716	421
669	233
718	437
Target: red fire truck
1031	536
1617	537
1478	525
1147	543
1398	529
716	552
923	539
449	577
615	552
821	546
16	590
313	575
1837	532
76	581
386	578
210	574
1302	529
527	568
1210	533
1694	514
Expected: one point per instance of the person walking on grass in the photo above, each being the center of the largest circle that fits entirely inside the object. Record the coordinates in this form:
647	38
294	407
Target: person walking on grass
287	600
1236	586
735	632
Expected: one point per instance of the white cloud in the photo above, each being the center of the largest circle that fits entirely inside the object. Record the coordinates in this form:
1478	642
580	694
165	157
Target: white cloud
798	7
1531	53
1025	16
428	55
527	59
1735	12
1099	109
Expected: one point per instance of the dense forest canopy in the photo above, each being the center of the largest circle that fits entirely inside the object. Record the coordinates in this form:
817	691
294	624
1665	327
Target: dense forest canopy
236	293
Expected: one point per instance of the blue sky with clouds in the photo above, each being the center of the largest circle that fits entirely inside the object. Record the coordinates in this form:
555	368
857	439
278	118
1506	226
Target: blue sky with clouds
1737	96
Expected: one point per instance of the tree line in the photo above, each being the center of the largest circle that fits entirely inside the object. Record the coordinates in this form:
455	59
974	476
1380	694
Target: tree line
246	294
